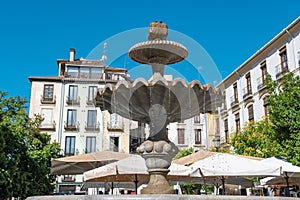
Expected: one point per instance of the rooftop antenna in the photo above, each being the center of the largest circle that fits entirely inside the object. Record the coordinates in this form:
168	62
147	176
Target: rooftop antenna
104	57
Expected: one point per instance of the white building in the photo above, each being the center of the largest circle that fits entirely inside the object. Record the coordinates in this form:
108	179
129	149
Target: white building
197	132
66	102
245	91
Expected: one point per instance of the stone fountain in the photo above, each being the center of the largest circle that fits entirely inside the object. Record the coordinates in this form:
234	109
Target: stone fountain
157	102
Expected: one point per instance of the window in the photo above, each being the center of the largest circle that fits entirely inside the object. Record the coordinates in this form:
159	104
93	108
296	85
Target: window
237	121
108	76
72	72
283	60
47	116
90	144
92	93
181	136
48	92
92	119
197	119
70	146
263	69
114	144
198	139
248	82
96	73
71	118
235	91
118	77
226	130
265	104
250	113
84	72
73	92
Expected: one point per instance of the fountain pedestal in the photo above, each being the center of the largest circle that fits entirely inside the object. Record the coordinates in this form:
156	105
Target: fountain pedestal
158	157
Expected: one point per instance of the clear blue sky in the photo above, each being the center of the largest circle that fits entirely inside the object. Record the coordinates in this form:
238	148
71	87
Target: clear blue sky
36	33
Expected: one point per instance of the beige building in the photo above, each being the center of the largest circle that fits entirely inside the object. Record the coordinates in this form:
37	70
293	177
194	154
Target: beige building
66	102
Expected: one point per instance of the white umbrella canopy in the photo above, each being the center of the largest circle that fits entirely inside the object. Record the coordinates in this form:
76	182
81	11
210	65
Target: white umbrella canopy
78	164
130	170
288	169
222	164
280	181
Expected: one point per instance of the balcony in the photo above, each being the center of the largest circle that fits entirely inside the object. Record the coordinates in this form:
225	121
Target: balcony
198	120
92	127
48	100
223	112
281	69
73	100
71	126
47	126
68	178
90	101
247	93
233	101
119	125
261	83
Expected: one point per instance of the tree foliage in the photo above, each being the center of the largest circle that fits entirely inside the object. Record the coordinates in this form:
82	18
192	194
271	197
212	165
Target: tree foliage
255	140
279	134
25	152
184	152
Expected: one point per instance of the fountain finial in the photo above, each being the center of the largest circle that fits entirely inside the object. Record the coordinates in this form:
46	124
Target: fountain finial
157	31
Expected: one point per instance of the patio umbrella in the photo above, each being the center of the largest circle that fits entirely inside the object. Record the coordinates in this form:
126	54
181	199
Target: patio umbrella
289	174
224	165
280	181
78	164
194	157
132	169
288	169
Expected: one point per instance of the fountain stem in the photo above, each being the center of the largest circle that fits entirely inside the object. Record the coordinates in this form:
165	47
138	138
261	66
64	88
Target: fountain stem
158	68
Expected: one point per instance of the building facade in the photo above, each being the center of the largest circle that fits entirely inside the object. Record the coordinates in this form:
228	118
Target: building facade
197	132
66	102
244	89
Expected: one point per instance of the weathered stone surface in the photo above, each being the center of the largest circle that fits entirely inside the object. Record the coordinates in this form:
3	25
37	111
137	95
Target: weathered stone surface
156	197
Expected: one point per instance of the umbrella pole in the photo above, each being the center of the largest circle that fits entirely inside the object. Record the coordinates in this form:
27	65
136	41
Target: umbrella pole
223	185
112	188
136	184
287	189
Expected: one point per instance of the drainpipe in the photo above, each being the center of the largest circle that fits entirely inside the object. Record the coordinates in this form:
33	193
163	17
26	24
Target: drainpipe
61	110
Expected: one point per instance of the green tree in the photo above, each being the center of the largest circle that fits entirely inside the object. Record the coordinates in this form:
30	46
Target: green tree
25	152
278	135
255	140
284	114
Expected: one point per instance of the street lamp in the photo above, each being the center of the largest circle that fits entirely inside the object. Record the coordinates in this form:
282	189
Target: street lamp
216	143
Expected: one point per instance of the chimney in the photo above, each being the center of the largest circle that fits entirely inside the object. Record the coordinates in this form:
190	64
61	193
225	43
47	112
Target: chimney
72	54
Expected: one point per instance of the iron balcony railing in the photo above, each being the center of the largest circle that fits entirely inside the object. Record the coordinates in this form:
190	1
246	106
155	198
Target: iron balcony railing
72	126
281	69
233	101
48	100
90	101
246	91
73	100
261	82
48	126
92	127
119	125
68	178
